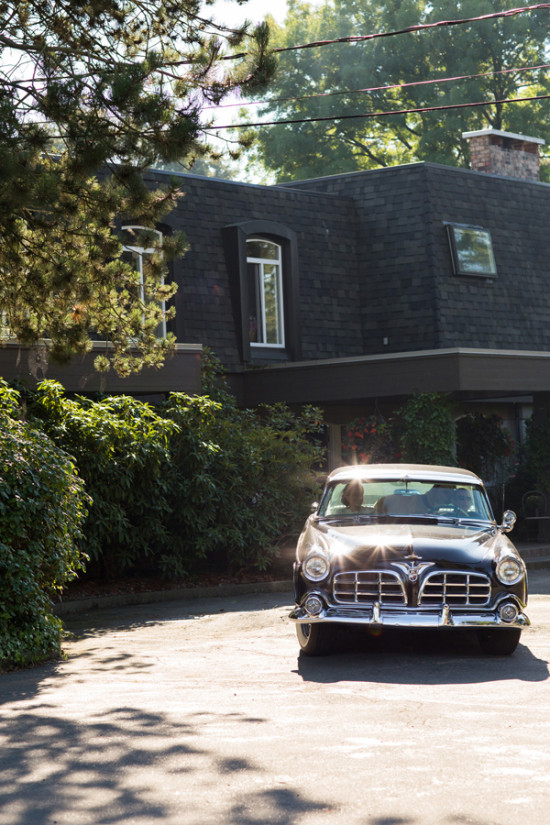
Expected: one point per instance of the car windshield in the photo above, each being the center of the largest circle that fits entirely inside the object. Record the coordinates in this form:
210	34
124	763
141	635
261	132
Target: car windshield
405	498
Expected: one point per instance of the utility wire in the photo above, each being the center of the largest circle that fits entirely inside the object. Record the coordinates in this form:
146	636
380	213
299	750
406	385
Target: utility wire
408	30
420	110
420	27
243	104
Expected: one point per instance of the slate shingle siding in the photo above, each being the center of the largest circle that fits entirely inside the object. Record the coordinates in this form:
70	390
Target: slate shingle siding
374	261
330	303
397	280
511	311
407	272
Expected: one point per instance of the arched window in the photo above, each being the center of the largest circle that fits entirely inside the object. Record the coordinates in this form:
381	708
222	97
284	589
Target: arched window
265	290
138	242
262	262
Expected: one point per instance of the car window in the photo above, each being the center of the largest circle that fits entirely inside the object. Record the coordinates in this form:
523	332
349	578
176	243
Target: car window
397	498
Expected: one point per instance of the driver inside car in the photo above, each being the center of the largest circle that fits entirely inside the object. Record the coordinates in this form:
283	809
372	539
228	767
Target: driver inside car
439	499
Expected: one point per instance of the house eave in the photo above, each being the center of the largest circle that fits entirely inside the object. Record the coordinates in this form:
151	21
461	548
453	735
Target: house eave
181	371
455	370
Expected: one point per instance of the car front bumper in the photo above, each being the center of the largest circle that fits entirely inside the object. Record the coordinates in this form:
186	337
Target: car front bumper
376	615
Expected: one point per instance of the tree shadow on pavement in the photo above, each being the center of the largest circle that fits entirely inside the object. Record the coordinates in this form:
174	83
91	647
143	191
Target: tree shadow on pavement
127	765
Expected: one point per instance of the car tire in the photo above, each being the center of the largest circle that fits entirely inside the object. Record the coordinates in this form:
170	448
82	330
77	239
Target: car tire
499	642
315	639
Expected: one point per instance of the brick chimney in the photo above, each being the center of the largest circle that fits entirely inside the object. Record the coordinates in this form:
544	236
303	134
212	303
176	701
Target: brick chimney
503	153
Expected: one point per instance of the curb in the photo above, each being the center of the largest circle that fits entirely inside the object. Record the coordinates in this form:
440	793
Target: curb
531	559
180	594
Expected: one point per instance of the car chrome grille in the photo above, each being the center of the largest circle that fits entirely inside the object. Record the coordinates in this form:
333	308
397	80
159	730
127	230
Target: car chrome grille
369	586
455	589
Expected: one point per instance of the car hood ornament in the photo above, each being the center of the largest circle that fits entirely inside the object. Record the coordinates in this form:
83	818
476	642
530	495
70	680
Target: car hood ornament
412	569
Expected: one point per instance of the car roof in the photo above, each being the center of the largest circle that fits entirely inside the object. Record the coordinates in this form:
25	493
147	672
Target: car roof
398	472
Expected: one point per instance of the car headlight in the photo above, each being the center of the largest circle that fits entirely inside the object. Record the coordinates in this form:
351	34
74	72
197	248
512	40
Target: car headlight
509	571
316	567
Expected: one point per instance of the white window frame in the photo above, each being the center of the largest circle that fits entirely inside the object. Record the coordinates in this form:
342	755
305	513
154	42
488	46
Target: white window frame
5	330
140	251
261	263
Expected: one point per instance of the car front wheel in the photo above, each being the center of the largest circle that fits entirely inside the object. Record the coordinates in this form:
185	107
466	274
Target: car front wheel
499	642
315	639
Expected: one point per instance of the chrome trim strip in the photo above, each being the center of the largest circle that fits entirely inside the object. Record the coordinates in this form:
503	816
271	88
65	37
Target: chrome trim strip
408	618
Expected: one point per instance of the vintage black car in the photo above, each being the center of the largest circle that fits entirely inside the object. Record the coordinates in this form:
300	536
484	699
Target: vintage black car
407	546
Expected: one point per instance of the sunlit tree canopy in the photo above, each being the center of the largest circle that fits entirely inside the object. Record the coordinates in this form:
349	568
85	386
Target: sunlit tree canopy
481	61
92	92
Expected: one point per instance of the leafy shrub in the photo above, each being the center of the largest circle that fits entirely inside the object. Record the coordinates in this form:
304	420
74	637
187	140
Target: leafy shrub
242	481
421	431
193	483
426	430
538	451
120	446
42	507
482	443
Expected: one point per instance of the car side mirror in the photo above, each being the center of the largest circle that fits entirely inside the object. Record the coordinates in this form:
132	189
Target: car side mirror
314	506
508	521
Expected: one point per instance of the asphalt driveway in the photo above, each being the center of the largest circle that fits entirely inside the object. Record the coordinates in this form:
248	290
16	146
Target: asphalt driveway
202	712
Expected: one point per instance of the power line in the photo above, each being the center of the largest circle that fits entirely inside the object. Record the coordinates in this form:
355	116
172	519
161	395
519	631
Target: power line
418	28
408	30
419	110
243	104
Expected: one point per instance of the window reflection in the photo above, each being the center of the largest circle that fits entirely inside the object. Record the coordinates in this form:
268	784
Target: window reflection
472	250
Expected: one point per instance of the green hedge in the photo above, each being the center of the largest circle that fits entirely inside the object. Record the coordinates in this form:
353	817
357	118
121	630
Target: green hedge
42	508
242	481
121	449
195	483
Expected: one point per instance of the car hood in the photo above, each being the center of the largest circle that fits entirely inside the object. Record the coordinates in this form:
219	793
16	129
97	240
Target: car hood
450	543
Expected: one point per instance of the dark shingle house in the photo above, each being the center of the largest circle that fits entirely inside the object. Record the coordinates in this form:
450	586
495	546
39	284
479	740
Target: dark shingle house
355	290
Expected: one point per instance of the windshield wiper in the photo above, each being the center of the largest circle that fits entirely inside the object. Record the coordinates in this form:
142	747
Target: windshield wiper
463	520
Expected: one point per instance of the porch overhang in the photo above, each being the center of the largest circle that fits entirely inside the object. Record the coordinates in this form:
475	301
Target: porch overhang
458	371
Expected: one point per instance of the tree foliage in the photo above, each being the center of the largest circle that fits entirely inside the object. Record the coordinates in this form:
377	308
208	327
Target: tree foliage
482	443
494	51
194	483
42	507
421	431
121	448
91	94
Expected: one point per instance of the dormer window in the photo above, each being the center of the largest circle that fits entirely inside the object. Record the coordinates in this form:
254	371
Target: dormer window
262	261
265	290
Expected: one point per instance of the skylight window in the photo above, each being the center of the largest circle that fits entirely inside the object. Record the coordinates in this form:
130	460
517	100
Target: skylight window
471	250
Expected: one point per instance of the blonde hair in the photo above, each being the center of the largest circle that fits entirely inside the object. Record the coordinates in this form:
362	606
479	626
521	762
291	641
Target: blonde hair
348	490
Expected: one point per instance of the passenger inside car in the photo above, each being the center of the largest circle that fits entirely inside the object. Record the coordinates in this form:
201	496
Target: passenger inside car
352	496
463	500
